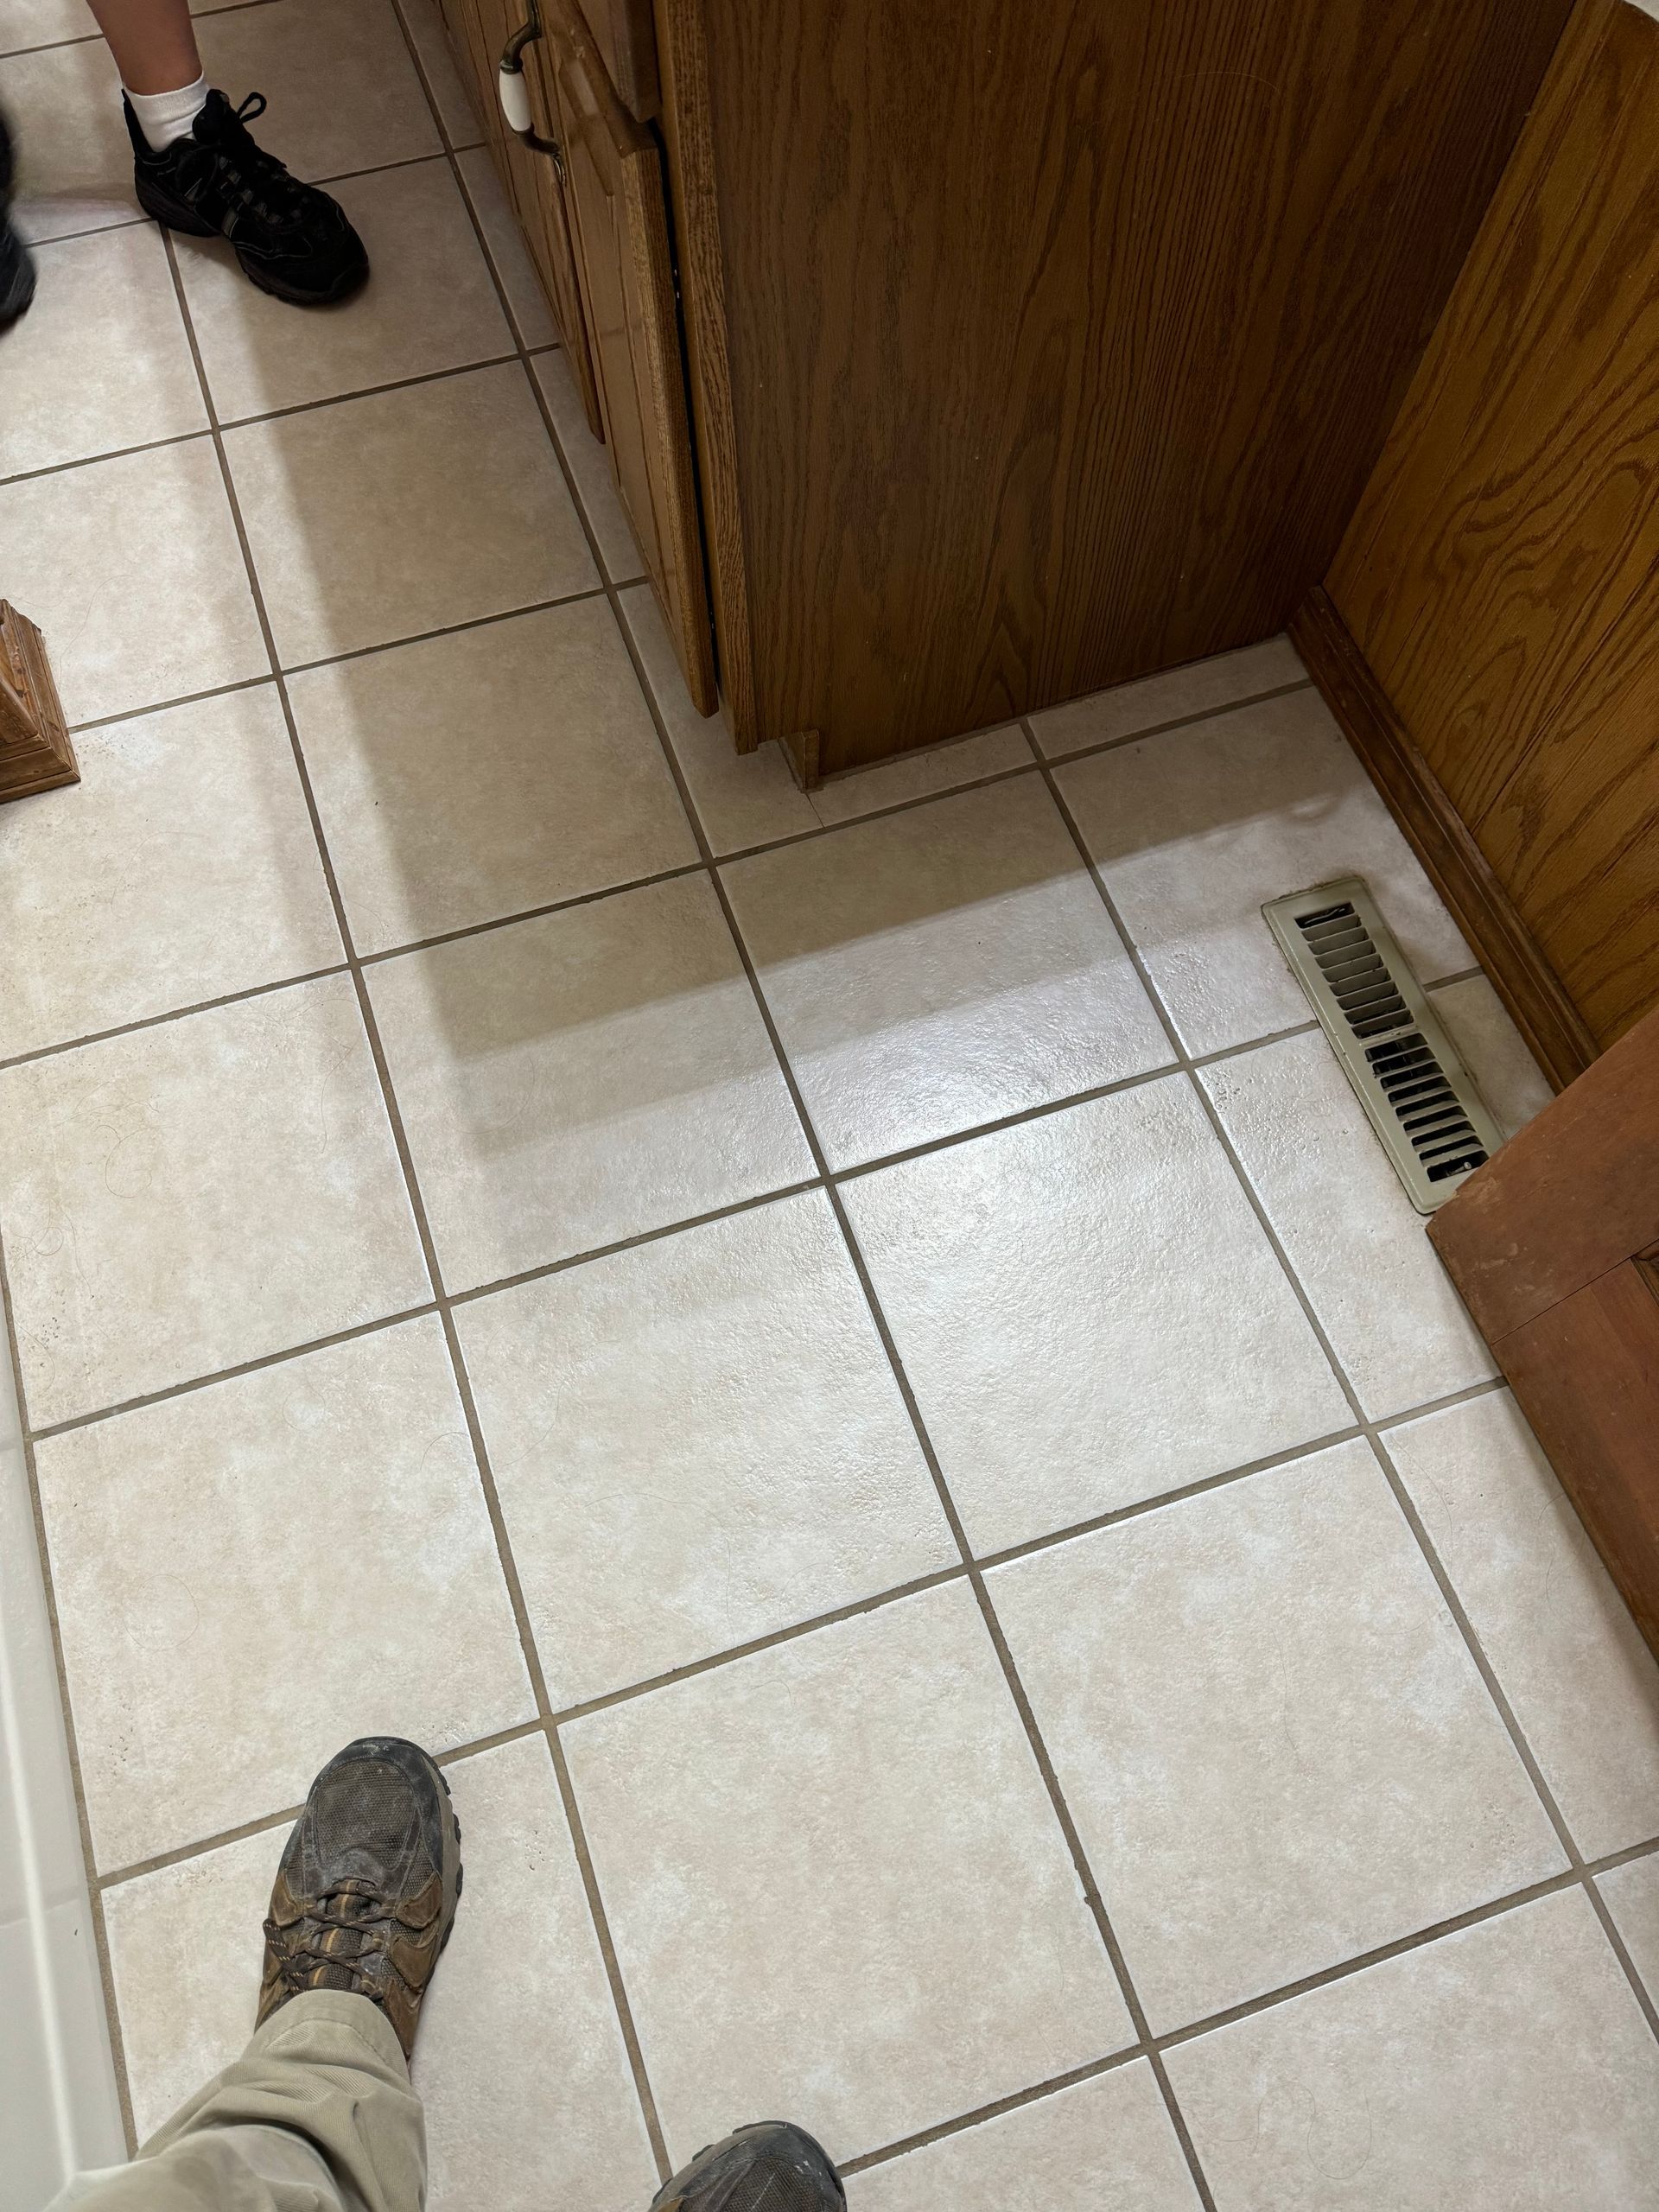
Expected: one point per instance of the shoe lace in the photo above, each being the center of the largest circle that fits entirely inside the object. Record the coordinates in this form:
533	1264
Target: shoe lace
339	1930
257	180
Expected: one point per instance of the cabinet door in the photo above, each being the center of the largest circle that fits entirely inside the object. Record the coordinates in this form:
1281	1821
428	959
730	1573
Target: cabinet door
614	186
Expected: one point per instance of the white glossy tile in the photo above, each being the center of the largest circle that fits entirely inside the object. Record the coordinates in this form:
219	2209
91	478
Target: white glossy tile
198	1194
526	301
193	1592
1276	1747
1195	829
941	967
1089	1313
575	1080
1505	2069
132	570
74	159
590	463
1107	2145
342	91
697	1443
437	61
100	361
42	22
1631	1895
1358	1244
404	512
188	835
1197	687
1510	1079
836	1886
429	305
1580	1680
486	771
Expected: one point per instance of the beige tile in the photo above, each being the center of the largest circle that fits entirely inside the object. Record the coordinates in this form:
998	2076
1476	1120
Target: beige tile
195	1597
438	59
1276	1747
741	798
1582	1683
342	91
920	775
526	301
430	304
836	1886
101	360
486	771
1354	1238
529	2099
941	967
697	1442
1089	1313
1197	687
41	23
188	836
590	463
74	158
1511	1080
1195	829
406	511
574	1080
132	570
1505	2069
1106	2145
1630	1893
198	1194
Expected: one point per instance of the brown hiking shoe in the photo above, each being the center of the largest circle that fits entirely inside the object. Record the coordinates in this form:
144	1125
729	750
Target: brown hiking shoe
770	2167
366	1893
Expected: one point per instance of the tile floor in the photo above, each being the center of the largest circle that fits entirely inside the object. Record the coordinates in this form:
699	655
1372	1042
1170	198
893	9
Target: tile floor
849	1361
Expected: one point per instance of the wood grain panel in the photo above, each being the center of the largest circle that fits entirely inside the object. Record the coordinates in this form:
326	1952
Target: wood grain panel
1061	340
626	39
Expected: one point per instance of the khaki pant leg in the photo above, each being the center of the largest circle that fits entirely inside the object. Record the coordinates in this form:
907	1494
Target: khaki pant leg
317	2115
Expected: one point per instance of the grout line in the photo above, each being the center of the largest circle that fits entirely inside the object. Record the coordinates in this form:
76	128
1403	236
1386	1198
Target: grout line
368	391
962	2121
172	1013
166	706
530	914
1486	1389
92	460
1369	1428
445	630
1155	729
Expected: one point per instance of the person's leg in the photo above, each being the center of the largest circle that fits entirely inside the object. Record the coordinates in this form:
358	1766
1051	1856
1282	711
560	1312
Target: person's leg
153	43
318	2114
16	264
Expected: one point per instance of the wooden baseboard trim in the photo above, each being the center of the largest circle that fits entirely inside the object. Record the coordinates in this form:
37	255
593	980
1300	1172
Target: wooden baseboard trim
1460	871
803	750
35	752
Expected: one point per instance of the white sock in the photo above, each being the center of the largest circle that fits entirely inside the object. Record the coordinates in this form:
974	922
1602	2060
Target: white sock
163	116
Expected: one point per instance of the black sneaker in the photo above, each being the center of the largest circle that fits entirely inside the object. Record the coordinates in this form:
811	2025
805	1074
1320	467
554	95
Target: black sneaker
770	2167
365	1894
292	240
16	264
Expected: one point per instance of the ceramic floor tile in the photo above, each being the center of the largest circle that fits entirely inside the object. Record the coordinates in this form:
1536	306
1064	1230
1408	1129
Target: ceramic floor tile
1582	1683
526	301
529	2100
1505	2069
1195	829
1630	1893
188	835
430	305
1276	1747
1510	1079
486	771
43	22
695	1443
941	967
860	1808
741	798
342	90
1089	1313
193	1592
590	463
921	774
132	570
406	511
1199	687
1106	2145
437	60
74	159
575	1080
101	360
198	1194
1358	1244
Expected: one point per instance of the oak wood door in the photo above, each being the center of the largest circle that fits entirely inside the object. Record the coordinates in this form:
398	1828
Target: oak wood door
614	186
1554	1245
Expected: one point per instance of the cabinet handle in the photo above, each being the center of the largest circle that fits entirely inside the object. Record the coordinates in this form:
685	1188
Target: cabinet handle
514	93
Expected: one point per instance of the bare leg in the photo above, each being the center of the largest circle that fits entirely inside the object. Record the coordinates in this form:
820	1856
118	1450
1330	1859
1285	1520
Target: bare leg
153	43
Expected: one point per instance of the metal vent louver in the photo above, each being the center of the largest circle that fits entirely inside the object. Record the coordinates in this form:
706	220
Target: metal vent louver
1421	1098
